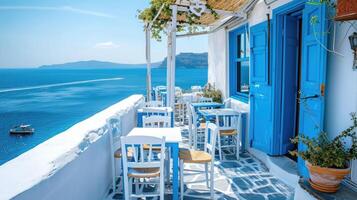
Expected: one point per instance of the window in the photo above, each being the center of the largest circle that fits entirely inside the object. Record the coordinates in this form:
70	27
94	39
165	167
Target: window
239	63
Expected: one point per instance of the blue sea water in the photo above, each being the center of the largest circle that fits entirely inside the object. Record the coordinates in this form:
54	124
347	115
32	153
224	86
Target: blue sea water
54	100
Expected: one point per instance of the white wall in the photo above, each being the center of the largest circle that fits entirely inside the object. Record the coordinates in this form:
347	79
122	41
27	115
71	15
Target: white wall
341	84
75	164
217	69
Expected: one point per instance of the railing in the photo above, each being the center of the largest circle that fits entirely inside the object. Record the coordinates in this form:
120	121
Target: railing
75	164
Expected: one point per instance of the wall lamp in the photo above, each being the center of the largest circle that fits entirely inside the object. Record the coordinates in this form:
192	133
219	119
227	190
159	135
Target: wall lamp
353	43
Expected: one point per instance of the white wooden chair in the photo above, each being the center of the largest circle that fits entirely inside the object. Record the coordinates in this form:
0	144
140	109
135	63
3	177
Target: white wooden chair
228	136
153	104
196	88
115	151
142	170
156	121
227	103
205	157
196	129
205	100
159	122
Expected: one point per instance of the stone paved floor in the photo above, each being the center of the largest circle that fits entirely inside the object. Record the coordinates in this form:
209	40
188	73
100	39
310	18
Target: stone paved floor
246	179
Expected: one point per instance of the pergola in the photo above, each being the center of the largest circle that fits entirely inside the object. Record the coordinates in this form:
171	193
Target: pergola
202	9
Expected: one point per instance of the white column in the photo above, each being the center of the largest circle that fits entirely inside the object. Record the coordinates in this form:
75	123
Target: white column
148	63
168	69
173	55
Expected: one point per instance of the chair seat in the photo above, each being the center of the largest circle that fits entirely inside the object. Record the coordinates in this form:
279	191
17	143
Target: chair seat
228	132
203	125
117	153
144	172
193	156
146	147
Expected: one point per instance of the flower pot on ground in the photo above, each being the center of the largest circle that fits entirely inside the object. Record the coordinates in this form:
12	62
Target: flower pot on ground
328	160
326	179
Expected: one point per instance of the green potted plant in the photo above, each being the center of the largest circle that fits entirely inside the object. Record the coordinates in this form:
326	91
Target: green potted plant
211	92
328	161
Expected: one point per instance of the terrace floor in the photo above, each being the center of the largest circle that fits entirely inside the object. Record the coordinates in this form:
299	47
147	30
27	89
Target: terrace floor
246	179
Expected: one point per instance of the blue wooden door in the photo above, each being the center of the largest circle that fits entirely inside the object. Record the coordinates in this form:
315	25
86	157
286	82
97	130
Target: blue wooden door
313	73
290	70
260	90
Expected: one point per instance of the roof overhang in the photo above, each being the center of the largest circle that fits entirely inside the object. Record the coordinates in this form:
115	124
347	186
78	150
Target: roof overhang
224	9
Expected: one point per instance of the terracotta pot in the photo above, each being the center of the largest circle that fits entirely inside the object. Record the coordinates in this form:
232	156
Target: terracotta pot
326	179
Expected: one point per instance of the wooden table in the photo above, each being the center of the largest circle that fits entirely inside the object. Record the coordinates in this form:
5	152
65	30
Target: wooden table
173	138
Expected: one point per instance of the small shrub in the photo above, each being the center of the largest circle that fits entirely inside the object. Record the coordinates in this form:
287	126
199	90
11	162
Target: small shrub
323	152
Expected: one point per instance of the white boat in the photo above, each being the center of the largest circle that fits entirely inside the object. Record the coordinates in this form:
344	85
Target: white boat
24	129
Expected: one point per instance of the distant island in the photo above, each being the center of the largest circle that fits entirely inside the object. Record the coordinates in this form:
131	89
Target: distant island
183	60
189	60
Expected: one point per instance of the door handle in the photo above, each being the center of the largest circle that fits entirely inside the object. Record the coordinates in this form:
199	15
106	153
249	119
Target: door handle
308	97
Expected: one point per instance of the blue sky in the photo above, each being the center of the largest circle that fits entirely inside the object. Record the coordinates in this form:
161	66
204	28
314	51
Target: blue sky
38	32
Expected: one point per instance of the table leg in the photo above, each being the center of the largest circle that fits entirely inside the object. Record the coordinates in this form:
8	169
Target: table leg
175	178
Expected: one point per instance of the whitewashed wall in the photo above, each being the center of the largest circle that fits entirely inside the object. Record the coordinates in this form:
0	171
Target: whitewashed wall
75	164
217	62
341	85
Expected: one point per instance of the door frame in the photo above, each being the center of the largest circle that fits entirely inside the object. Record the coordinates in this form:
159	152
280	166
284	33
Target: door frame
276	59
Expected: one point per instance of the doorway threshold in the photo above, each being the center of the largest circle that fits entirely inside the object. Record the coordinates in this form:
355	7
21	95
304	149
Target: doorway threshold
280	166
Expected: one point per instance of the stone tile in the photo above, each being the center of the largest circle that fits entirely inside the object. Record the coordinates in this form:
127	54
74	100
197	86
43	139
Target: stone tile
277	197
252	196
266	189
243	183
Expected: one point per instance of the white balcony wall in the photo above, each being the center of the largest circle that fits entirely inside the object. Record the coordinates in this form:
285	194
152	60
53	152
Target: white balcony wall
75	164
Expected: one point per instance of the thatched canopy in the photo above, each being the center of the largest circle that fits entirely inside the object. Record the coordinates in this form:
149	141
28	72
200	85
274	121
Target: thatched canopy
222	9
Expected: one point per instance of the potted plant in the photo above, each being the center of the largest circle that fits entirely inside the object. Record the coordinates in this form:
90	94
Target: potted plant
328	161
211	92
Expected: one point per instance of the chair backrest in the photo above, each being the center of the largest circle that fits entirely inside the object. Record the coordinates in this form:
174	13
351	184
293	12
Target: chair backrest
211	133
134	146
153	104
115	132
227	122
227	103
156	121
155	111
205	100
196	88
193	114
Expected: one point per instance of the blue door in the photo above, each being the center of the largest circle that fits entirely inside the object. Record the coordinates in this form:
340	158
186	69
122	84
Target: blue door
260	90
313	72
289	81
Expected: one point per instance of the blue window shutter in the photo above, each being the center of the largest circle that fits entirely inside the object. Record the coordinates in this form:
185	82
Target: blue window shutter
260	91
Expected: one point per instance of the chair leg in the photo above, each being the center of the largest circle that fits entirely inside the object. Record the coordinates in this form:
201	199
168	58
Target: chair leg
219	147
162	187
168	171
212	181
206	172
237	144
181	179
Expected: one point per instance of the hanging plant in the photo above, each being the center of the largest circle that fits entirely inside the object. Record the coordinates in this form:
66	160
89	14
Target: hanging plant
187	21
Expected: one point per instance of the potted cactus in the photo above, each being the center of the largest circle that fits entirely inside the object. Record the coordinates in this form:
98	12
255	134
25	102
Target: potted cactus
328	161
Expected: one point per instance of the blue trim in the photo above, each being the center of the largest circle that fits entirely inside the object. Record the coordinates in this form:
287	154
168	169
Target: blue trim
276	58
233	59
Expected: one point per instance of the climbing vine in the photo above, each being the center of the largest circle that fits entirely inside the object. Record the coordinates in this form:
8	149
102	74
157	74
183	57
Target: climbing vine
191	23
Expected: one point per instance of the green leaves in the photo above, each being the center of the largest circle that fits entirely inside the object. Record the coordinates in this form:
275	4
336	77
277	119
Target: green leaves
323	152
160	24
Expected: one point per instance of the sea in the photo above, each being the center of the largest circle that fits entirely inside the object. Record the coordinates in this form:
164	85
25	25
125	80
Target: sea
52	100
